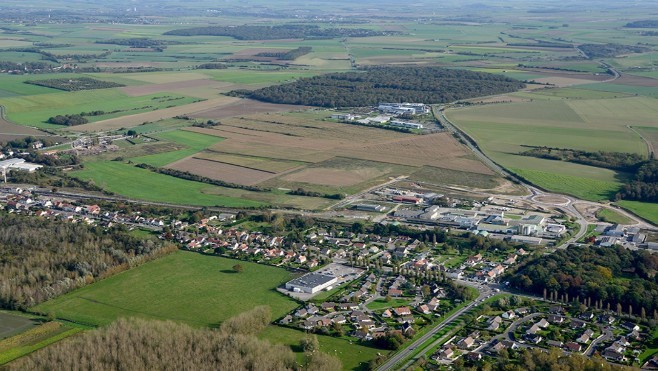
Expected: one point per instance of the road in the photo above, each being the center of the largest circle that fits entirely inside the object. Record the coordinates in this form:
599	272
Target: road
650	148
536	194
485	291
349	199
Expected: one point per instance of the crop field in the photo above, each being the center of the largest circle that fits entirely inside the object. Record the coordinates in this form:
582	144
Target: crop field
34	339
36	109
161	114
133	182
222	171
185	286
581	187
252	162
647	91
303	149
12	324
648	211
190	142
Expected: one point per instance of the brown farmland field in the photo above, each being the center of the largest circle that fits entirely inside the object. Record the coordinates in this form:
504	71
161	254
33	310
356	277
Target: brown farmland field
10	131
252	162
334	177
138	119
303	148
636	81
221	171
243	107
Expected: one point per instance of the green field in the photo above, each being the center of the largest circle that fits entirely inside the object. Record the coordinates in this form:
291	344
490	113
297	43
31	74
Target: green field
133	182
612	216
648	211
34	110
194	142
383	304
587	189
185	286
353	355
34	339
504	130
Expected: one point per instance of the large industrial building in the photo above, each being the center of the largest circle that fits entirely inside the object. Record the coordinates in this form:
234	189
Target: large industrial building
311	283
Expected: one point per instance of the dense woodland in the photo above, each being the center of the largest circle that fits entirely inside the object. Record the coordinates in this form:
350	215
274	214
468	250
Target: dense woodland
212	66
643	24
386	84
52	177
289	55
67	120
41	259
174	346
606	276
28	142
644	186
288	31
621	161
79	83
610	50
139	43
24	66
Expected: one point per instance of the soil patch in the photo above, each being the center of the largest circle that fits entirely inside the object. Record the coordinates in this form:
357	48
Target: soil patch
221	171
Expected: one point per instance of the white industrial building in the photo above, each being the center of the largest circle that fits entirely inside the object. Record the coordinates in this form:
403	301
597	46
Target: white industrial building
17	164
406	124
311	283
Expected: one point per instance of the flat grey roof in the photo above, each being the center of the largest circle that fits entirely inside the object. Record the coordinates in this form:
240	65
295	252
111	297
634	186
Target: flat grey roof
311	280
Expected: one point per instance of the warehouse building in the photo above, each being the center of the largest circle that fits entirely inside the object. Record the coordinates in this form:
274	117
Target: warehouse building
311	283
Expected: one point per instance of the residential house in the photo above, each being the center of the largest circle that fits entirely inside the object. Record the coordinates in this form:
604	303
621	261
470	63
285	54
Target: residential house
573	347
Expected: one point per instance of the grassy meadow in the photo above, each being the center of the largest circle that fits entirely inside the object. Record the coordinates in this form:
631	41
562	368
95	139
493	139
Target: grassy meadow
185	286
133	182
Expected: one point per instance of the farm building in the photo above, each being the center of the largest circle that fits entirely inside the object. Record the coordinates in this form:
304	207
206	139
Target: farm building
367	207
345	116
311	283
407	199
406	124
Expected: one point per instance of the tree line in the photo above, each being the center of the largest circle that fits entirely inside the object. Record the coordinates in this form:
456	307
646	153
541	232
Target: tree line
286	31
650	23
385	84
138	344
212	66
27	142
621	161
304	192
610	50
202	179
25	66
42	258
79	83
289	55
139	43
604	276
